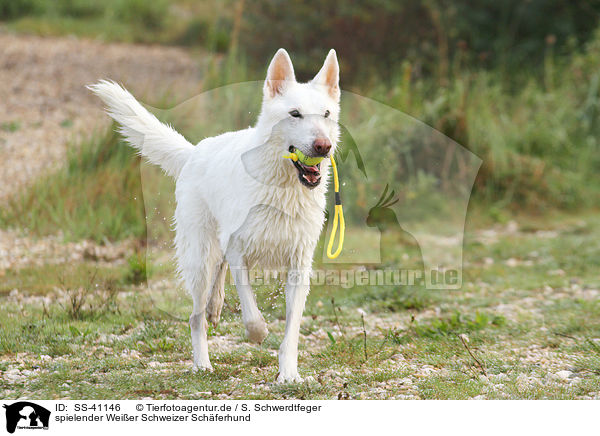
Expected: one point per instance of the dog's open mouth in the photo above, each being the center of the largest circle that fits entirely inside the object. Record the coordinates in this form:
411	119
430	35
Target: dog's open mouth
310	176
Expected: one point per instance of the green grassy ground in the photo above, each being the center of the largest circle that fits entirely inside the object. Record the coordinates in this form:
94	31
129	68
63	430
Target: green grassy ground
525	325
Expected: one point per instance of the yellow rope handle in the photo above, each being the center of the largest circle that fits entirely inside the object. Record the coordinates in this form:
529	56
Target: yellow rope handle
338	217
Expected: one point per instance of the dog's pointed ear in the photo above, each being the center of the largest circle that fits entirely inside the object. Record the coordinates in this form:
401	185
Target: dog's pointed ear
280	71
329	76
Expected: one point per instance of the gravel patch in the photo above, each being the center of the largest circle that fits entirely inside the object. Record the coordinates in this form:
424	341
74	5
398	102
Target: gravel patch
18	251
45	103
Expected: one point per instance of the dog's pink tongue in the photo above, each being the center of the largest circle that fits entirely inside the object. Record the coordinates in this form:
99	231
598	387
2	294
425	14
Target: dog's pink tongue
312	178
312	174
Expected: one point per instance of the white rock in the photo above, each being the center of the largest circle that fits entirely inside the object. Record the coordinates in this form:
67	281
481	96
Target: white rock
523	382
564	374
310	379
13	377
426	371
501	376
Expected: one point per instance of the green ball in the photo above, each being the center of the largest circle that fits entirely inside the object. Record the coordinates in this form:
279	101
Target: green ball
306	160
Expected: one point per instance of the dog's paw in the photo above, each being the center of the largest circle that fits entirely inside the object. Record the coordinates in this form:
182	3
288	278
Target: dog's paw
202	368
288	377
213	318
257	331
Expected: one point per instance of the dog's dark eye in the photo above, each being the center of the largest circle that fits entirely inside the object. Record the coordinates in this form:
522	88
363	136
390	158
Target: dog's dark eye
327	113
295	114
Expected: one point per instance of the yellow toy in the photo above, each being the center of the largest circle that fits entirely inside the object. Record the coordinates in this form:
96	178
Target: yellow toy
298	156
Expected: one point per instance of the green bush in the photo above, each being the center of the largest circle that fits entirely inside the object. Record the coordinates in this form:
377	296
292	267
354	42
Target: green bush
539	142
11	9
213	36
376	36
77	8
131	20
147	14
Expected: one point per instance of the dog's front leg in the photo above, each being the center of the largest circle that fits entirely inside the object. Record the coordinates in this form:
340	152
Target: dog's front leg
296	291
256	327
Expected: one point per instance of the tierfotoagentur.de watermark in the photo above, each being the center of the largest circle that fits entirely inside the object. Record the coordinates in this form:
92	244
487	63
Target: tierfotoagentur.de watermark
353	277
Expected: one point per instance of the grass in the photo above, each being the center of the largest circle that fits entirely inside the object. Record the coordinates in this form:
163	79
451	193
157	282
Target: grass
496	338
536	131
538	140
88	330
43	279
538	144
96	196
526	313
165	22
10	126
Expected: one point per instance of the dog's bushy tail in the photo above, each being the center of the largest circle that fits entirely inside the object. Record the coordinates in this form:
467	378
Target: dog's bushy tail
157	142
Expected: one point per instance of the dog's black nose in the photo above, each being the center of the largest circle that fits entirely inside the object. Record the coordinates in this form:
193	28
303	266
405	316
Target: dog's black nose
322	146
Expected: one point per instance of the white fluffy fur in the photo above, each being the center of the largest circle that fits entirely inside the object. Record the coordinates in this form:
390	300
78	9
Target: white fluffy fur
157	142
239	202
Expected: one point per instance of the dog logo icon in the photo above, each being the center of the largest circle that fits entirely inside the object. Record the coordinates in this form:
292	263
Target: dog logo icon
26	415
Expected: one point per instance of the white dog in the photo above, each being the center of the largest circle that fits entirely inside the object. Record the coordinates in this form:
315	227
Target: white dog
239	202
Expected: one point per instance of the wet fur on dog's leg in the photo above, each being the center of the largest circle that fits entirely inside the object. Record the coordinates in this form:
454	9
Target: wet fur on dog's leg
296	291
217	296
256	327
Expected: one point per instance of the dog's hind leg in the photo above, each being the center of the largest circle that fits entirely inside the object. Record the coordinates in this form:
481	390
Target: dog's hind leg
217	296
256	327
197	259
199	327
198	282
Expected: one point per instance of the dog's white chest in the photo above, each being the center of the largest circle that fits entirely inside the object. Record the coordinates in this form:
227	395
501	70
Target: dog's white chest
274	237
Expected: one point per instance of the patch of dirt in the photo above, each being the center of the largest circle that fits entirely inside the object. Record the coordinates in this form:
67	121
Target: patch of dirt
45	103
17	251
